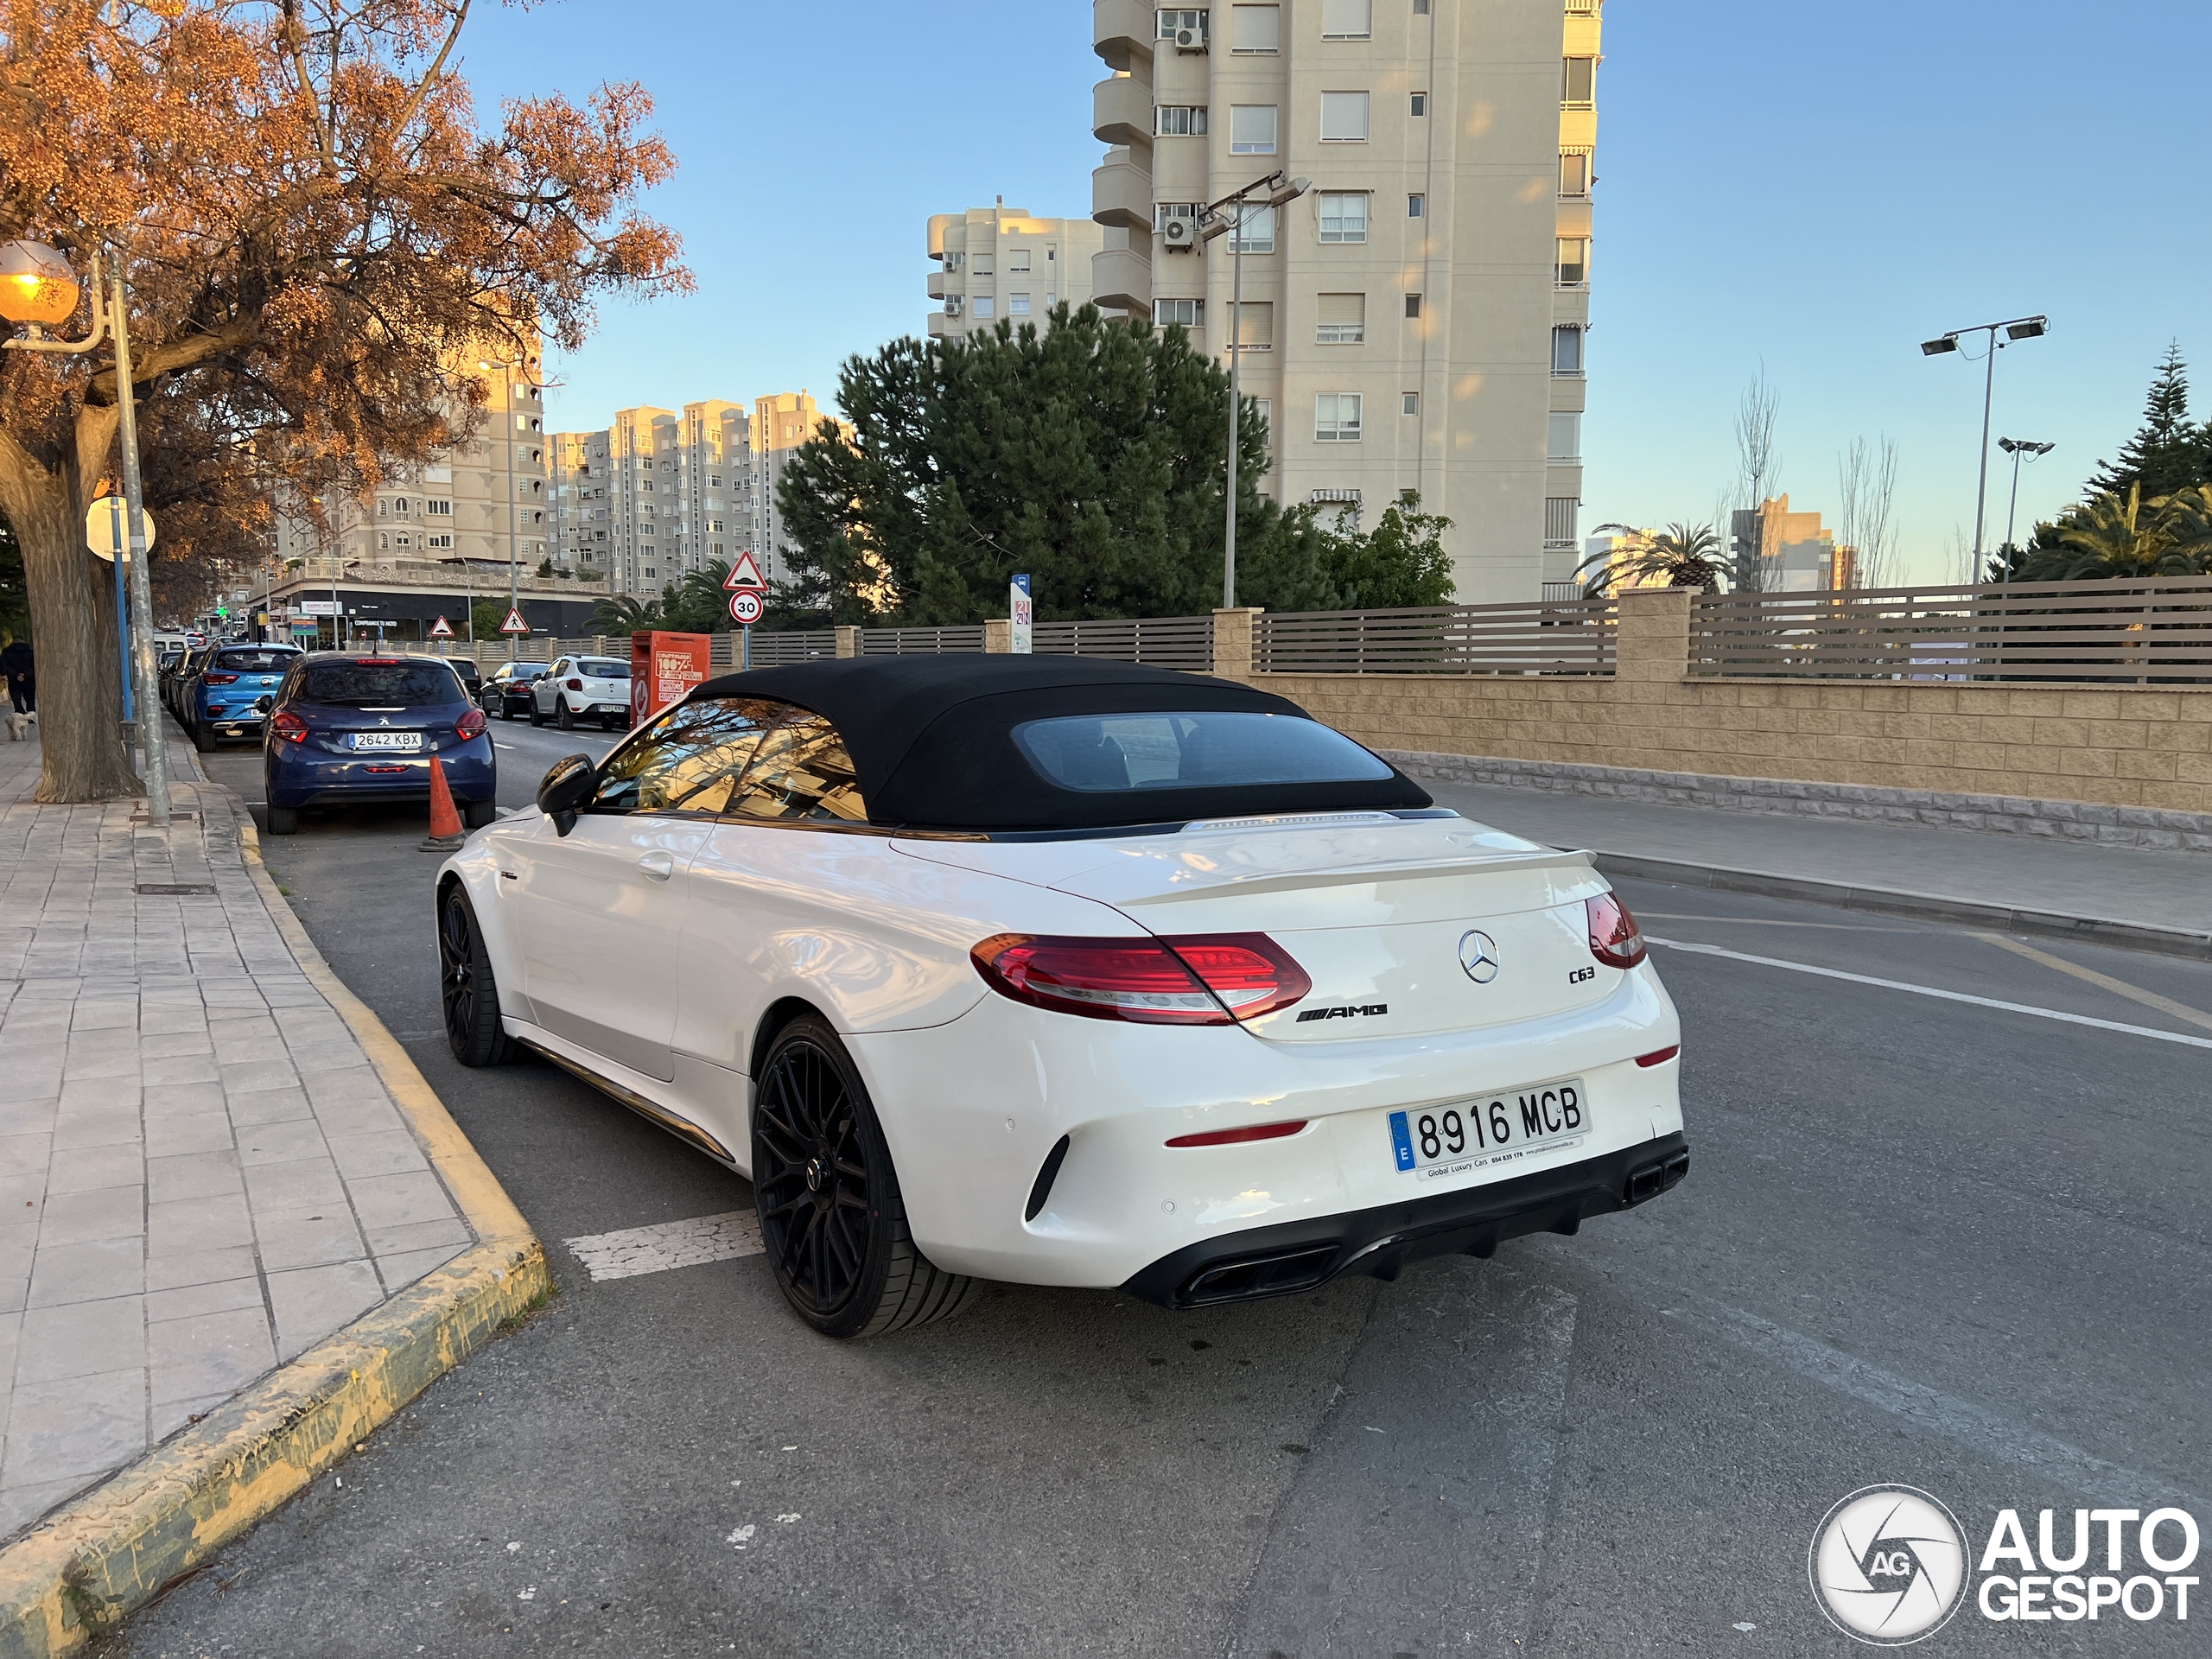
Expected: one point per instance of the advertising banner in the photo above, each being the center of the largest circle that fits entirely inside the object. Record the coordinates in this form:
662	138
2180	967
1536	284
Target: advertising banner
664	667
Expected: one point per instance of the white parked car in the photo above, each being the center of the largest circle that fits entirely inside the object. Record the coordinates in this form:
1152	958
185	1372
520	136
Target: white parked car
1067	972
582	688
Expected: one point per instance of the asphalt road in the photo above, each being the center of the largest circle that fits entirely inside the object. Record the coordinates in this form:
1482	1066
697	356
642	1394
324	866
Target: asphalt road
1924	1241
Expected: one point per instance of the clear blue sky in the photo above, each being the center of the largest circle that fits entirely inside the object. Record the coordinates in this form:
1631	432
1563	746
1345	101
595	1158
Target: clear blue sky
1811	187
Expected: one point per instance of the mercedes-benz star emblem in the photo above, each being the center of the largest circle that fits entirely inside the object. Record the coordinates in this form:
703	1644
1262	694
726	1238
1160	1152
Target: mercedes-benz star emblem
1478	956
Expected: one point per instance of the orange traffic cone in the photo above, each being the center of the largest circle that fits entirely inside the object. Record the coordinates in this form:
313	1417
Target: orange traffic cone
446	831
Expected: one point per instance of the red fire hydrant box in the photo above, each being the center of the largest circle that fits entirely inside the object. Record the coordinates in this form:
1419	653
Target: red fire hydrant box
664	667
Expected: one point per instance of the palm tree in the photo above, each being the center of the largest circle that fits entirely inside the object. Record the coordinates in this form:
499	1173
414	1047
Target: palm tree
1681	556
2116	536
625	614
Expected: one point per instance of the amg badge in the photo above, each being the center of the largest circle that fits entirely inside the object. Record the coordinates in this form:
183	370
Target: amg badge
1350	1012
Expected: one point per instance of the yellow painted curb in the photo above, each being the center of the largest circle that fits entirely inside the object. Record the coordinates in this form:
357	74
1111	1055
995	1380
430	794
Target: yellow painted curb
116	1547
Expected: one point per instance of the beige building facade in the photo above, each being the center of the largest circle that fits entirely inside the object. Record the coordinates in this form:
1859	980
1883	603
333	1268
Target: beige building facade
1002	264
1796	555
654	495
1418	320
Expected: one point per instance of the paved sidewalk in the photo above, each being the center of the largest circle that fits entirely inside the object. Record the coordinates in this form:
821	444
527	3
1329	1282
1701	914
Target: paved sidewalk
2115	884
202	1176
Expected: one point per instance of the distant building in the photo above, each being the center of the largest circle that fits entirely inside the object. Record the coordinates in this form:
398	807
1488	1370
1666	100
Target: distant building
654	495
1002	264
780	424
1794	554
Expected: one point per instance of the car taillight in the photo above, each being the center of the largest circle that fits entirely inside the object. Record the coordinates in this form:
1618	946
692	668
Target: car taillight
1200	980
1614	939
289	728
1238	1137
574	685
219	679
1658	1055
470	724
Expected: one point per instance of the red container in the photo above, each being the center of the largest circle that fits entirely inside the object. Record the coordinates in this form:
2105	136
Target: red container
664	667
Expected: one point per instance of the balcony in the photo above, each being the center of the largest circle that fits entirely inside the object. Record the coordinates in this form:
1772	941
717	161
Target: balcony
1121	195
936	285
1121	111
941	326
1123	279
1122	30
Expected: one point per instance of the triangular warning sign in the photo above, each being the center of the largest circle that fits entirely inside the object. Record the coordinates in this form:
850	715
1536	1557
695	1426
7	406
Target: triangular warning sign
514	624
743	575
442	629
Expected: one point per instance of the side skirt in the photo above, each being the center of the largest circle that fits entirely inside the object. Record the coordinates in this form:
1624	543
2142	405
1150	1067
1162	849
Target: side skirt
652	1111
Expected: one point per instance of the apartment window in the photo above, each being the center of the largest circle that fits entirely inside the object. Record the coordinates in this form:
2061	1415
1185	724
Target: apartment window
1191	313
647	485
982	304
399	506
1577	87
1409	403
1162	212
1567	350
983	266
1574	261
1566	443
1170	22
1413	305
381	504
1017	305
1347	20
1255	326
1265	410
1344	117
1343	216
955	261
1341	320
714	480
1421	8
1560	513
438	509
1180	120
1416	206
714	528
384	539
1574	173
444	541
1017	259
1336	417
1252	130
1418	105
403	540
1255	233
1255	29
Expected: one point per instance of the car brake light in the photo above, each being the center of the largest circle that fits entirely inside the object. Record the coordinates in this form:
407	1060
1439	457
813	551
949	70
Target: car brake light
1196	980
574	685
470	724
289	728
1614	939
1659	1056
218	680
376	661
1237	1137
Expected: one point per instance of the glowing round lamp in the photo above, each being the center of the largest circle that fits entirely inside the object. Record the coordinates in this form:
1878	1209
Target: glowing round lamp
36	285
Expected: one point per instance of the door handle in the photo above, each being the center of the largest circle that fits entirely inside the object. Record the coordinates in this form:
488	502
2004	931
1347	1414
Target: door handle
658	866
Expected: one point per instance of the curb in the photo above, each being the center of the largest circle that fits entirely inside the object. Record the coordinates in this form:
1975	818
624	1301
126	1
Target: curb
1927	907
127	1541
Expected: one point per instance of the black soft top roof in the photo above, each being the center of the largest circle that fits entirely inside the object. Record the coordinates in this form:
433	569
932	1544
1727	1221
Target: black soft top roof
931	739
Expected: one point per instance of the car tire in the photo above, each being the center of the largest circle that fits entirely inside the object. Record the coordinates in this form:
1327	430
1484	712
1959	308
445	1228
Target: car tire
284	821
203	740
474	815
468	992
831	1216
536	714
562	717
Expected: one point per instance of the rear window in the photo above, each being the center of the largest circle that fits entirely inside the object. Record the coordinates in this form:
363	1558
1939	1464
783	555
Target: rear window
379	685
1205	749
604	668
254	662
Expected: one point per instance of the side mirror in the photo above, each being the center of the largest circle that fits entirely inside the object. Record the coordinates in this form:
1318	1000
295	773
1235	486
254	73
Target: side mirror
568	784
265	704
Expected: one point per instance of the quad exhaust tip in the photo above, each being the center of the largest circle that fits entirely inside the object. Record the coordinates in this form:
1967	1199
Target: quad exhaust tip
1650	1180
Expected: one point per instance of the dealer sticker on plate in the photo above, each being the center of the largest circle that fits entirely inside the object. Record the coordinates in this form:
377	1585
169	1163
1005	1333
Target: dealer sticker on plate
1479	1132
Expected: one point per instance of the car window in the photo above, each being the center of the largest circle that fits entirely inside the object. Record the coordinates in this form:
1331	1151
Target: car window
379	685
1202	749
254	662
688	759
605	667
801	771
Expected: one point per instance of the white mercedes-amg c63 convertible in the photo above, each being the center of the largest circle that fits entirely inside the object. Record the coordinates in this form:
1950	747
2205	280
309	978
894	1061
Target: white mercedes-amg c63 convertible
1067	972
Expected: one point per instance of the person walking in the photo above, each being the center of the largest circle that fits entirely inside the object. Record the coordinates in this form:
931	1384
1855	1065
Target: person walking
20	668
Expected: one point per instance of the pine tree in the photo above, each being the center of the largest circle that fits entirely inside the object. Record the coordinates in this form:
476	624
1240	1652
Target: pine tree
2167	453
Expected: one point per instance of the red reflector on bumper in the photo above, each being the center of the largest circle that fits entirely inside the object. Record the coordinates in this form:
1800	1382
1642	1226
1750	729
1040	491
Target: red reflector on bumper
1659	1056
1233	1137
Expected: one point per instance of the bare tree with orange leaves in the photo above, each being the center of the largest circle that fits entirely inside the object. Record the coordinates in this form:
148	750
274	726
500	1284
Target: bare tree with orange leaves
317	228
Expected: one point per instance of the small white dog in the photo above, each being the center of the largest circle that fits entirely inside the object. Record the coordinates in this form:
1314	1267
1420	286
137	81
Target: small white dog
19	727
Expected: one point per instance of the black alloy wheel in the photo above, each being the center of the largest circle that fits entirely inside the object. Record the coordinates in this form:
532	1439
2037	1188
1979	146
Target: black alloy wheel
831	1216
466	988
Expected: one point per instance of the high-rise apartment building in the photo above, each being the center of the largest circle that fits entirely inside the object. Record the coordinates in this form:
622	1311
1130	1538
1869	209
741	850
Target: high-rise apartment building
1001	263
1791	552
780	424
654	495
1416	322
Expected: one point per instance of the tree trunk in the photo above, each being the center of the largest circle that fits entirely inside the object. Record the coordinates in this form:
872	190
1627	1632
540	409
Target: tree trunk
73	616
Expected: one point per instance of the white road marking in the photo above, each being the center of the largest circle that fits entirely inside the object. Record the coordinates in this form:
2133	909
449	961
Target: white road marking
669	1244
1931	990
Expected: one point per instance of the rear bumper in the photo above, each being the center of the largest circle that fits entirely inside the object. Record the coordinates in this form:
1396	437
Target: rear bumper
293	782
1297	1255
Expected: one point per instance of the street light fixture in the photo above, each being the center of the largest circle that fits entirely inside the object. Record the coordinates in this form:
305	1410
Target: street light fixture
38	291
2019	450
2015	329
1281	189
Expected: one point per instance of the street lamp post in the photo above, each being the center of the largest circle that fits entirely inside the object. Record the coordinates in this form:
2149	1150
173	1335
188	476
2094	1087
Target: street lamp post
38	289
1213	221
2018	448
2018	328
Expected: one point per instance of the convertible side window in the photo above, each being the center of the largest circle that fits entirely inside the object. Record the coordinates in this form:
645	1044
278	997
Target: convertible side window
802	772
688	760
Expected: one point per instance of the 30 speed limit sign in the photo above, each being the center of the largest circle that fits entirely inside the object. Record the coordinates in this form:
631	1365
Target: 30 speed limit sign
745	608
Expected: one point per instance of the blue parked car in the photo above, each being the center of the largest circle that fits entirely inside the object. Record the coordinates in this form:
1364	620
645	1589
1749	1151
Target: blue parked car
220	694
346	729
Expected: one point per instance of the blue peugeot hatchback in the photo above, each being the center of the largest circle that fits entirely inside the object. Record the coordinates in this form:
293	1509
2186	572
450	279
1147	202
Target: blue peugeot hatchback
223	690
347	730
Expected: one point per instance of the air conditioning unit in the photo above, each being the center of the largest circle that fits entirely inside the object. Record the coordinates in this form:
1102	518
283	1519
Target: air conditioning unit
1181	235
1190	39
